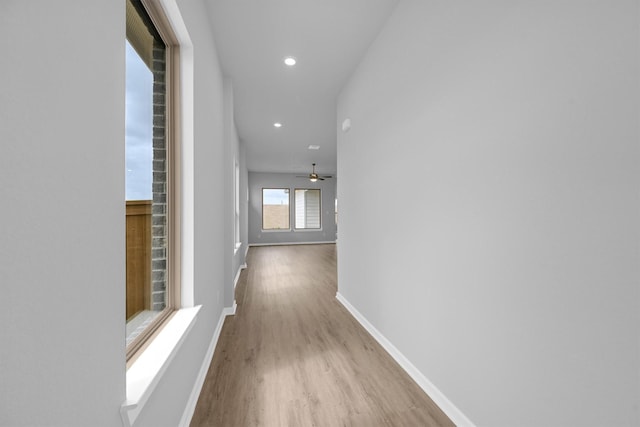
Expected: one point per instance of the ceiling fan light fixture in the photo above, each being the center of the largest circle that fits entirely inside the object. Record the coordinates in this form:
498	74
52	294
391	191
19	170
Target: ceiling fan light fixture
313	176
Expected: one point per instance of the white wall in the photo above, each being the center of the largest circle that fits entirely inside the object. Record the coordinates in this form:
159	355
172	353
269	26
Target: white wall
239	259
234	257
62	258
62	266
258	181
497	248
244	199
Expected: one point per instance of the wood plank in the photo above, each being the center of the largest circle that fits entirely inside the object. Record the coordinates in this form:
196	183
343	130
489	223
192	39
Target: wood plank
293	355
138	256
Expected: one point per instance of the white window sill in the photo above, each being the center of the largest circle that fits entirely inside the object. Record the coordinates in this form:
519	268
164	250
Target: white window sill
146	371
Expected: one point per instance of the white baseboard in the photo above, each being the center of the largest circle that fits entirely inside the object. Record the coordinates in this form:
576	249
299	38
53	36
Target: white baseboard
293	243
455	414
229	311
202	374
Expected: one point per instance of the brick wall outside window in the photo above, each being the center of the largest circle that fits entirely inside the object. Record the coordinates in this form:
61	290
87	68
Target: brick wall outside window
159	206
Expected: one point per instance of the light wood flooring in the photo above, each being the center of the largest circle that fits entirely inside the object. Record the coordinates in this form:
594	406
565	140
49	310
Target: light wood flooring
294	356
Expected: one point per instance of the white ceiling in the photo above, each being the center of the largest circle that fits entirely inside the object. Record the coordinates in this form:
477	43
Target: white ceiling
327	37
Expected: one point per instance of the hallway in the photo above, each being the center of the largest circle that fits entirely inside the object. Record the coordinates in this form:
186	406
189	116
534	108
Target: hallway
293	356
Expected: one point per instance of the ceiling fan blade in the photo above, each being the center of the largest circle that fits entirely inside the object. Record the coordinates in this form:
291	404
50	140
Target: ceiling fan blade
302	176
320	178
327	176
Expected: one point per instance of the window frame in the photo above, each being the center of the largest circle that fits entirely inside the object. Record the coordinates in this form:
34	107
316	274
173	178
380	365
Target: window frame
272	230
162	25
295	206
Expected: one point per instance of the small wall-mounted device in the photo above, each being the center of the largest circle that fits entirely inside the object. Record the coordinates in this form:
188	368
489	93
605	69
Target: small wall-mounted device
346	125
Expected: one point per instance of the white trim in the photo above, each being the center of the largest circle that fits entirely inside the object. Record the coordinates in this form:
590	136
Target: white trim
202	374
246	251
145	373
236	248
235	281
454	414
291	243
231	311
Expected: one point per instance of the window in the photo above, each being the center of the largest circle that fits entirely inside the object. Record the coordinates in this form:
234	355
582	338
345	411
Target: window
275	209
152	243
307	208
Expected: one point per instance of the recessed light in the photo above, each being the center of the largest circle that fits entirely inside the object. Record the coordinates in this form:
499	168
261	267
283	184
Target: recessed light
290	61
314	147
277	125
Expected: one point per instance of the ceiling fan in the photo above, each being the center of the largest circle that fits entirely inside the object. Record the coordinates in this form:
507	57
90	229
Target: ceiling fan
313	176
